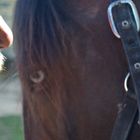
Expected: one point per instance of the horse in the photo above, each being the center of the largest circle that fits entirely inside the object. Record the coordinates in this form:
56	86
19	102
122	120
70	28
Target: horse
72	69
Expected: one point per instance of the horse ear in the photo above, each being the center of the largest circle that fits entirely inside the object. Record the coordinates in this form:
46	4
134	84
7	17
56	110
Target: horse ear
6	35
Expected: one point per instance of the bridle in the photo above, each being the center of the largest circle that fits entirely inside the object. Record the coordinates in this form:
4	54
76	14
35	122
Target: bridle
125	24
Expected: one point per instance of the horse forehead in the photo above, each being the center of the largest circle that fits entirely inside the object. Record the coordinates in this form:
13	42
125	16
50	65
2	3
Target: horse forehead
85	8
84	2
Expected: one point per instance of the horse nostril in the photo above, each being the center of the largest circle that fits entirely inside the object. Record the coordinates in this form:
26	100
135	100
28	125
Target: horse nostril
37	77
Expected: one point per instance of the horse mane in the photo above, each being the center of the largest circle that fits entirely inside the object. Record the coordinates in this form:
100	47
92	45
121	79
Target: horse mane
52	46
44	32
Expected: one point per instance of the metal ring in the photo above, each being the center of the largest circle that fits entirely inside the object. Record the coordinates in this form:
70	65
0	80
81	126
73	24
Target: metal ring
38	77
126	82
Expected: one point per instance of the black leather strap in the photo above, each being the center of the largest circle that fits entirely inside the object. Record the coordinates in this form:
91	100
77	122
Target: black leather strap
126	26
131	44
125	119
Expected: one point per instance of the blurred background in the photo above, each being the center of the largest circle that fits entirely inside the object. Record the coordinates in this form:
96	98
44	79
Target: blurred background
11	127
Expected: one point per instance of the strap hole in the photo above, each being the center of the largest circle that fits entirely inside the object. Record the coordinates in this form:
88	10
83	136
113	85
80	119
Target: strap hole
137	66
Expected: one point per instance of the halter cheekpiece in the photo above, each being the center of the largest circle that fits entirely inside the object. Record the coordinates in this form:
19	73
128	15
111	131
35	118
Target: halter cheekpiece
125	24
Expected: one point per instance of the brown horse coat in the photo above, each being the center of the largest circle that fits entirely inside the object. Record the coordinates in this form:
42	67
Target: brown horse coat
72	69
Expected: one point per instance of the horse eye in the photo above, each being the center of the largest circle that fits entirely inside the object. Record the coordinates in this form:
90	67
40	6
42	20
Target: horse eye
37	77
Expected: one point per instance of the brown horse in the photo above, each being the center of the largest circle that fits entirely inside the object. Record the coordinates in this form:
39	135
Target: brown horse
71	67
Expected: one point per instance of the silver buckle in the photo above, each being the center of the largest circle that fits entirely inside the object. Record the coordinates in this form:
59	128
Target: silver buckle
126	82
110	15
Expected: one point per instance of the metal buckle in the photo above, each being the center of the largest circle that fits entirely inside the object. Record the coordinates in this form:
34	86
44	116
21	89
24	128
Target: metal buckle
128	91
110	15
126	82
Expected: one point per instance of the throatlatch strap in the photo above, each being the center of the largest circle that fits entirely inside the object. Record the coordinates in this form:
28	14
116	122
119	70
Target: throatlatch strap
125	24
126	27
125	119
